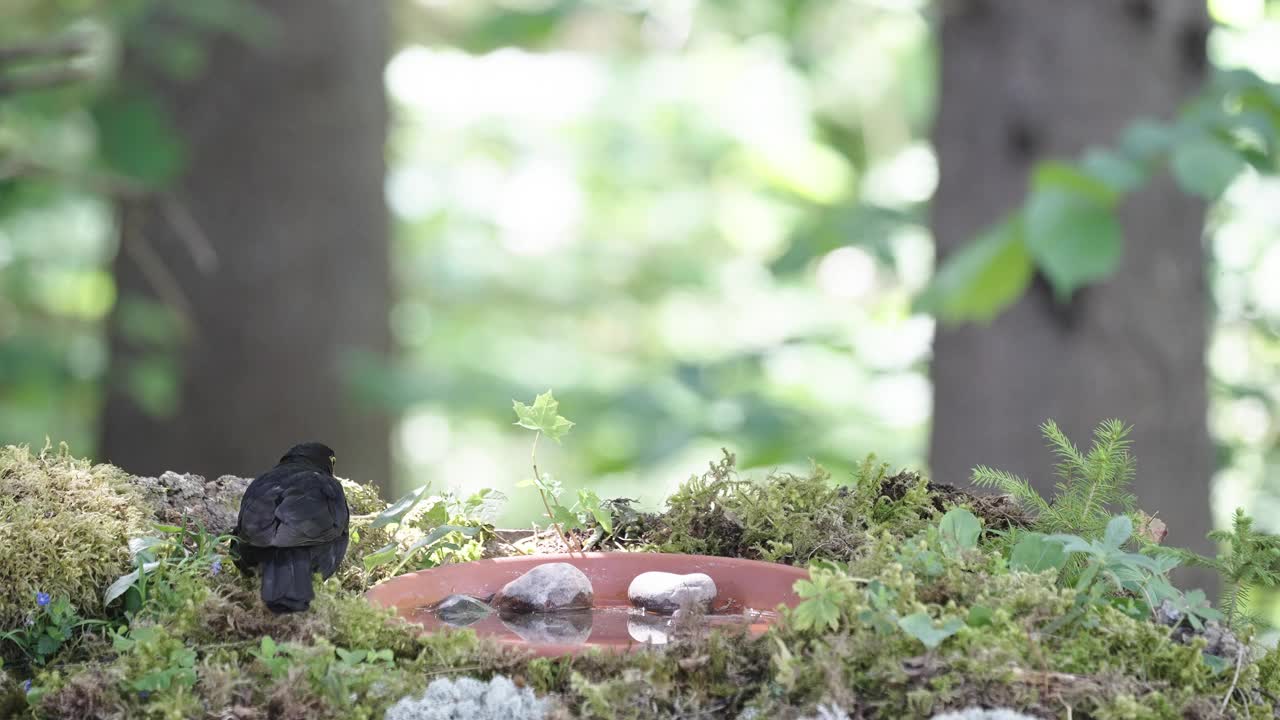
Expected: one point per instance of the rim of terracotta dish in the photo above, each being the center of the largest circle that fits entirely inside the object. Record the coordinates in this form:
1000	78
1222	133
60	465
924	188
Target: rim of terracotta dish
740	581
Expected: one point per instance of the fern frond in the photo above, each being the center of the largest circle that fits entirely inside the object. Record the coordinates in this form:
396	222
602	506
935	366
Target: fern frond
1010	484
1071	463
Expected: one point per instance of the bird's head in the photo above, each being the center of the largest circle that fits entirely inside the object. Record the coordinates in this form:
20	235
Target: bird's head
313	453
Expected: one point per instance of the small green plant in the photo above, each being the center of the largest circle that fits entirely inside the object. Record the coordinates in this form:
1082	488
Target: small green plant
1090	484
823	595
922	627
159	661
544	419
1250	560
53	623
1109	568
274	659
959	530
164	562
448	530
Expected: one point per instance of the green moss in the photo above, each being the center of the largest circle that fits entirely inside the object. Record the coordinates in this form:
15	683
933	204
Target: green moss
64	530
196	648
365	503
788	518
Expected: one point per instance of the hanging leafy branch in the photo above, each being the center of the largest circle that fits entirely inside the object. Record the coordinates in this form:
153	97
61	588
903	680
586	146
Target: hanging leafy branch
1068	227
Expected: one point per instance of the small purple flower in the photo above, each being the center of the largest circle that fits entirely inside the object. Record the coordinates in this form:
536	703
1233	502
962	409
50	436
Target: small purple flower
217	566
144	694
26	686
42	599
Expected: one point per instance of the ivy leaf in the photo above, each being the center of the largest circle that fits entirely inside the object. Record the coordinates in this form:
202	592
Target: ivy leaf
960	528
1073	237
603	517
400	508
437	515
542	416
920	626
1036	553
1205	166
561	515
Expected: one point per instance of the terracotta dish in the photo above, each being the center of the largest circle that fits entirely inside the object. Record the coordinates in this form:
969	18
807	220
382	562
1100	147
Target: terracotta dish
744	587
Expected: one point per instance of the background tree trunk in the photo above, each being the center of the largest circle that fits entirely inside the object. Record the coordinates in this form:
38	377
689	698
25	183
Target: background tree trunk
284	145
1027	80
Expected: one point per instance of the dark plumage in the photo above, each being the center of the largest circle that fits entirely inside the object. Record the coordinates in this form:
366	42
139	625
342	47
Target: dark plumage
293	523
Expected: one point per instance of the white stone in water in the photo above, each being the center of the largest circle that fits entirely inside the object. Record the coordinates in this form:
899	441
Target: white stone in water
665	592
546	588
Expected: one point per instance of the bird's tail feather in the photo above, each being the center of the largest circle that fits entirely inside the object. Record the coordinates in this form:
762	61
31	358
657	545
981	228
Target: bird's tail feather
286	580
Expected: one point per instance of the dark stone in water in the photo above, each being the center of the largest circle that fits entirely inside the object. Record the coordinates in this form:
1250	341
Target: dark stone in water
570	627
461	610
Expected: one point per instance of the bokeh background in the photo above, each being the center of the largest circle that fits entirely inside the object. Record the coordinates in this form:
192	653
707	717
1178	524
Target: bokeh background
228	226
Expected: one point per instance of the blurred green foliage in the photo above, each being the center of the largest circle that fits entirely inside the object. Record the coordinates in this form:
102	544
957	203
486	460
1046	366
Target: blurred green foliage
702	223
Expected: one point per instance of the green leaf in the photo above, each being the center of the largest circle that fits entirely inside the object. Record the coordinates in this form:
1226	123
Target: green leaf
562	515
818	610
433	537
1146	140
118	588
1074	238
1118	531
268	646
960	528
400	508
47	645
1205	166
1036	553
921	627
979	616
139	545
603	517
1071	180
1117	172
437	515
981	278
542	416
136	139
381	556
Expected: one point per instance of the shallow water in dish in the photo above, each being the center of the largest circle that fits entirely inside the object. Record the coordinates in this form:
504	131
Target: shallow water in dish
607	627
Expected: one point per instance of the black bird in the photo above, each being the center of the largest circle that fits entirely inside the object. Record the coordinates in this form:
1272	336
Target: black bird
293	522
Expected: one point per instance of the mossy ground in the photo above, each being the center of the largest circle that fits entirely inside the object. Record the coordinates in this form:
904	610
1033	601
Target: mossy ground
197	649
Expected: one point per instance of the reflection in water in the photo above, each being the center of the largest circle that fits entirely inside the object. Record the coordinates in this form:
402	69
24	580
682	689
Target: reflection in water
461	610
570	627
610	626
651	629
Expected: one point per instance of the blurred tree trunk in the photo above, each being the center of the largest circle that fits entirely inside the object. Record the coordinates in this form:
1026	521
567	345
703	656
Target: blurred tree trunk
1027	80
284	143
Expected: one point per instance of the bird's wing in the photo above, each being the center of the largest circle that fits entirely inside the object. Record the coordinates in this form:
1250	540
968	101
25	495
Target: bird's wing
293	509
